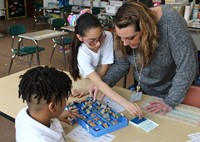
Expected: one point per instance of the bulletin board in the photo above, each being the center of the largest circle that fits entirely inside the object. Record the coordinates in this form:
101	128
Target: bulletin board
16	9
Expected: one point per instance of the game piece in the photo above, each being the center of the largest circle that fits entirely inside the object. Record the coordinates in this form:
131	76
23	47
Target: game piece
144	123
136	121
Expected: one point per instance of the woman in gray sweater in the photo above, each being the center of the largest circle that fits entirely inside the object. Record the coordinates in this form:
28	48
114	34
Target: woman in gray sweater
158	44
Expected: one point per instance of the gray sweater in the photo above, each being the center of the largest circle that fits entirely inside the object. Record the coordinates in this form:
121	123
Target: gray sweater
173	67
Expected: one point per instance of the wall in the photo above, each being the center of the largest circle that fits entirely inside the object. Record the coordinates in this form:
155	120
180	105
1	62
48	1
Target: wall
1	6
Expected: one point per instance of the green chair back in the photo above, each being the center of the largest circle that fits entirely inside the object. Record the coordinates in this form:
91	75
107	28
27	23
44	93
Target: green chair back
37	6
96	10
16	29
67	9
58	23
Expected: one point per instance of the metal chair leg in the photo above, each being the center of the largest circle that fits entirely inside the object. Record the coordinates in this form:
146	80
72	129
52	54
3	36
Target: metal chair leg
54	47
11	62
31	60
63	50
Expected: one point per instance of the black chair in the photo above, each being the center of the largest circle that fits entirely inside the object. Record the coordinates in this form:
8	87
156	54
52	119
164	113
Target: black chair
21	50
66	41
41	17
96	10
66	10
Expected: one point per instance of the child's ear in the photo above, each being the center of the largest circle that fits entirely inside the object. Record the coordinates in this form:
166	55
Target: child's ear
79	37
52	106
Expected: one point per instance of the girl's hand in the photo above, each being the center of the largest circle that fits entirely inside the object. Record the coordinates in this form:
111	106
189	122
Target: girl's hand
133	109
158	106
93	91
79	92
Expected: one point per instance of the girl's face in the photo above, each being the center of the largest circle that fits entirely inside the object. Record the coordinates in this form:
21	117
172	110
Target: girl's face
93	38
129	36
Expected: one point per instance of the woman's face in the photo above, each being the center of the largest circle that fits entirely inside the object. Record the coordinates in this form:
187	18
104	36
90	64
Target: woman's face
129	36
93	38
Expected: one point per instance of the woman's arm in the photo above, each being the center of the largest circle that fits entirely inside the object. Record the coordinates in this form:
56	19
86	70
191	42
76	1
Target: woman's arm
117	70
184	53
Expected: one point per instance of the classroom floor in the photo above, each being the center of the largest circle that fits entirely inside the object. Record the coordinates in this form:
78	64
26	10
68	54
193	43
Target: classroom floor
5	53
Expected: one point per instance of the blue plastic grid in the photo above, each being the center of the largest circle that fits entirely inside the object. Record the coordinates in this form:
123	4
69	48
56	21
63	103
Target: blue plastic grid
98	118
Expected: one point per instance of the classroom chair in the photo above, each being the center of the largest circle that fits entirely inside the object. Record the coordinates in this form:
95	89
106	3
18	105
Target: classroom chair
56	25
21	50
192	97
66	10
96	10
41	17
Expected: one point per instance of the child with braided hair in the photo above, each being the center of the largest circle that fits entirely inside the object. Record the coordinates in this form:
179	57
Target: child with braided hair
45	90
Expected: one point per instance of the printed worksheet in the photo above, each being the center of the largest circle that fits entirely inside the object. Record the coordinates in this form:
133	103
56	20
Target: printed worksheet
80	135
195	137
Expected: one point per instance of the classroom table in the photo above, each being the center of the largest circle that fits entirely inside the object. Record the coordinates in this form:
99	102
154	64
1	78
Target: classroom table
68	28
52	9
194	26
168	130
44	34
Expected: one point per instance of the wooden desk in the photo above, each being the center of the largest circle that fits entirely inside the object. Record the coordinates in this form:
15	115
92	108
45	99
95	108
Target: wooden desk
168	130
194	26
44	34
68	28
55	9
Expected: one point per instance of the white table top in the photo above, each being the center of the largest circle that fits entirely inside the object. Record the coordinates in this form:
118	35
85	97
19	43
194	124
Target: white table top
107	14
43	34
51	7
194	25
68	28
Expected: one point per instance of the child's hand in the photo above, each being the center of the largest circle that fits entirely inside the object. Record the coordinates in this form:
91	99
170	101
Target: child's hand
133	109
69	116
93	91
79	92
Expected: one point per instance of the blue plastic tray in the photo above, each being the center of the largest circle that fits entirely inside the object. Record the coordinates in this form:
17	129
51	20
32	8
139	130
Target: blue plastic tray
98	118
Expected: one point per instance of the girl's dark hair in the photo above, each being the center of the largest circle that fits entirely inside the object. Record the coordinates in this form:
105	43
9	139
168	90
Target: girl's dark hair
44	83
84	23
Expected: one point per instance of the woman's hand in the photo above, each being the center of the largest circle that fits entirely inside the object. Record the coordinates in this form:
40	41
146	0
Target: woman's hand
69	116
158	106
133	109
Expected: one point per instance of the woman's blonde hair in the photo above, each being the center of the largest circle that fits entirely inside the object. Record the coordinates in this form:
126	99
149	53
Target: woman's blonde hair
144	20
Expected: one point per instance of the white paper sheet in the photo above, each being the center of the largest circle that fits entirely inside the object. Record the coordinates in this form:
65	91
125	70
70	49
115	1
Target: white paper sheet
81	135
195	137
115	106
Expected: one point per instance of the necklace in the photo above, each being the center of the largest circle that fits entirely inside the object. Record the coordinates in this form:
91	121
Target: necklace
139	72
